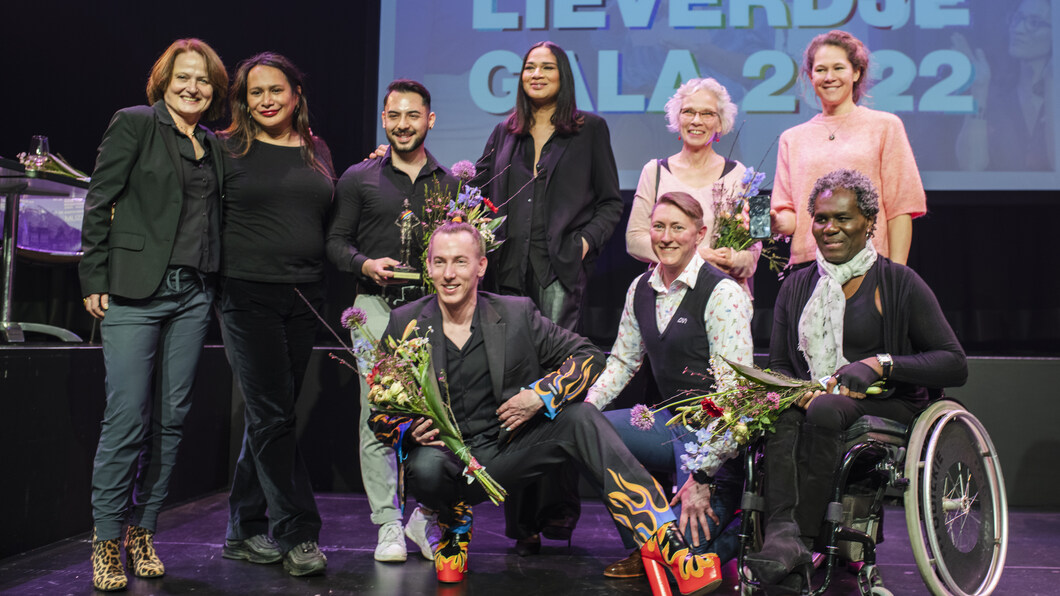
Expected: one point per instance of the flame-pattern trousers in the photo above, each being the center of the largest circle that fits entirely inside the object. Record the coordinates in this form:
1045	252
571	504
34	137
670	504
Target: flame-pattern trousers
580	433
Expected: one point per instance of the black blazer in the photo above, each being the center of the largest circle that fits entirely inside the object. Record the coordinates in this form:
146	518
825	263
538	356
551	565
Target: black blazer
138	179
522	346
582	185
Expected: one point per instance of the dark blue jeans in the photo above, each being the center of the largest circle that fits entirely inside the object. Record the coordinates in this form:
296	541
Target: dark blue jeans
269	332
659	450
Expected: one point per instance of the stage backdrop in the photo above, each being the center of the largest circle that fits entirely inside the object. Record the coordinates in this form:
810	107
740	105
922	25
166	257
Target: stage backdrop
950	68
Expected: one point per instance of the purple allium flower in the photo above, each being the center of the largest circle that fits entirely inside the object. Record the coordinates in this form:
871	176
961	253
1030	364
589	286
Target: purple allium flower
353	316
641	417
464	170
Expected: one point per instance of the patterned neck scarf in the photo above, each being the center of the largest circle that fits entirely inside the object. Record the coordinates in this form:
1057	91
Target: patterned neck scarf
821	323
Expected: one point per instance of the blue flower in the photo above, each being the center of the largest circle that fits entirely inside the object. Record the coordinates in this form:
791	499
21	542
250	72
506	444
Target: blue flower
471	197
748	175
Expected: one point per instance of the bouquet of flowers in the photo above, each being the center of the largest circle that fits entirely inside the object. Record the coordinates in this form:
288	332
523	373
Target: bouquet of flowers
469	206
732	220
402	382
738	414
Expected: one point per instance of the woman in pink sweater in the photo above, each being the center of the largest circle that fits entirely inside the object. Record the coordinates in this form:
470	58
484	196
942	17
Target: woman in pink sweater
846	135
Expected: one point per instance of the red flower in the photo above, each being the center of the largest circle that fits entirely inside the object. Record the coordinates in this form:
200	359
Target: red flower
490	205
370	379
711	408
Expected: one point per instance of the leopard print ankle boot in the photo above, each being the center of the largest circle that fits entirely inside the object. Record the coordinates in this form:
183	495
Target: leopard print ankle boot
107	572
140	553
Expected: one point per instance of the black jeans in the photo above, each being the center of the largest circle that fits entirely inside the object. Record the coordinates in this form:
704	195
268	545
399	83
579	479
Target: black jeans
578	434
269	332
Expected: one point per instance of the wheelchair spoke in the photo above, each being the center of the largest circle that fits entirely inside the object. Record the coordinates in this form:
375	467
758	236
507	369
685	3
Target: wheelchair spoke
959	498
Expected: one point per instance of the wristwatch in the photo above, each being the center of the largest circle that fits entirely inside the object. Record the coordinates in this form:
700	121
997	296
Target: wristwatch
701	477
887	364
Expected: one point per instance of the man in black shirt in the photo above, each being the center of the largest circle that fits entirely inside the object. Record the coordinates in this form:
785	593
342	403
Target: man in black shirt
364	240
516	380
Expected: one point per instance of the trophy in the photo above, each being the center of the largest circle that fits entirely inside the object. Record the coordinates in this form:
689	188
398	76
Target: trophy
407	222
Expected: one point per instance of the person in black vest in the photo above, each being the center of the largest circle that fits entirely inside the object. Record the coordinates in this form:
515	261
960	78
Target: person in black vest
681	314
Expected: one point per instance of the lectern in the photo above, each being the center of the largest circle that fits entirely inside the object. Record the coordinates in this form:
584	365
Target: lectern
16	183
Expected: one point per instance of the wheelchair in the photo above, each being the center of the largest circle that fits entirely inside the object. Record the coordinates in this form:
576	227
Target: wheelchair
945	470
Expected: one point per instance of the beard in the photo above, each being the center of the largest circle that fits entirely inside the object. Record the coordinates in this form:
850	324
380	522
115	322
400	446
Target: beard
410	146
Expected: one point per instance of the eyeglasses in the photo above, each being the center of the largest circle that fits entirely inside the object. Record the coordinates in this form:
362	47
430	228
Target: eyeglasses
690	114
1031	22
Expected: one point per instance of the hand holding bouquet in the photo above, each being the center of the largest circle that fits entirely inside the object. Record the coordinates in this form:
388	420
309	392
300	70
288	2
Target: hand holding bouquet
726	419
732	220
402	382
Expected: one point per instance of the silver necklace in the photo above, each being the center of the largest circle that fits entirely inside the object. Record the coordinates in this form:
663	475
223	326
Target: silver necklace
831	132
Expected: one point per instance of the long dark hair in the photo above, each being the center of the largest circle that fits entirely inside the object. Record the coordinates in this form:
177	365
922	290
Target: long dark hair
244	128
566	118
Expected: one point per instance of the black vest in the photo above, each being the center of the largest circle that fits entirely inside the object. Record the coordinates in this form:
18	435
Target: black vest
680	355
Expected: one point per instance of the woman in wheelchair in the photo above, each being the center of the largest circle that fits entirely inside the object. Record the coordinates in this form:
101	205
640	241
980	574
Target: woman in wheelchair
854	320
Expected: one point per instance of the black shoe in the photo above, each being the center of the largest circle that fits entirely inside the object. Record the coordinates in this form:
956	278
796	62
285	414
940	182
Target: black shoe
260	549
305	559
528	546
559	529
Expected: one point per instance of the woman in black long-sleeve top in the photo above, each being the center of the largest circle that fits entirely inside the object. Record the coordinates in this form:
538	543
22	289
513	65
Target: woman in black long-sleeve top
151	243
854	319
277	200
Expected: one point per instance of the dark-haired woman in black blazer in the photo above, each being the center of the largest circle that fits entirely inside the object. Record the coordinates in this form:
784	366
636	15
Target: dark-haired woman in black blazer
550	169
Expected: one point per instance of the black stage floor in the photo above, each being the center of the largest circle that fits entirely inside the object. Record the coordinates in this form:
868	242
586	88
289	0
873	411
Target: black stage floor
190	537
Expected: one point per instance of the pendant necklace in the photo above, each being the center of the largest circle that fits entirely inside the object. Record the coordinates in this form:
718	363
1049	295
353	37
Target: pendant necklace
831	132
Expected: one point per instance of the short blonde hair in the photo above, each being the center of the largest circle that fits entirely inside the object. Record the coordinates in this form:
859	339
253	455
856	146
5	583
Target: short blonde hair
727	110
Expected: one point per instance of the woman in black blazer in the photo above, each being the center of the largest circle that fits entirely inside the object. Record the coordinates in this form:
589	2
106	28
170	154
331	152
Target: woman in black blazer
151	243
550	169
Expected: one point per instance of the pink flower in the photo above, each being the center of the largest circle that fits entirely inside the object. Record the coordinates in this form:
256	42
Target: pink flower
641	417
464	170
773	398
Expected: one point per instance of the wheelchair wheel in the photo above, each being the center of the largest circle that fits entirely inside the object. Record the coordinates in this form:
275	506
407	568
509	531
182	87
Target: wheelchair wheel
955	506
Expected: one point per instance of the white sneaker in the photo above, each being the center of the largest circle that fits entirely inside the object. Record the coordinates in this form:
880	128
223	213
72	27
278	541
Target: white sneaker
424	531
391	546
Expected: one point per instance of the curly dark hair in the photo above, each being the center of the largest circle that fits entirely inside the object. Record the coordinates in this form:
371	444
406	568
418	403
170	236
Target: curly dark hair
868	199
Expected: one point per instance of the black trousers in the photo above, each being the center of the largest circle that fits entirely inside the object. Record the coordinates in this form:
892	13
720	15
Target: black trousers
269	332
581	434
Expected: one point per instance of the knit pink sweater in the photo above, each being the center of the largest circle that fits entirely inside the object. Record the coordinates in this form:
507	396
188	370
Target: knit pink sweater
866	140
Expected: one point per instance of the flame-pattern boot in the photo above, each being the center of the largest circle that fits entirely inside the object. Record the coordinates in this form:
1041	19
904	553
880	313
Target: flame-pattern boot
667	549
450	558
